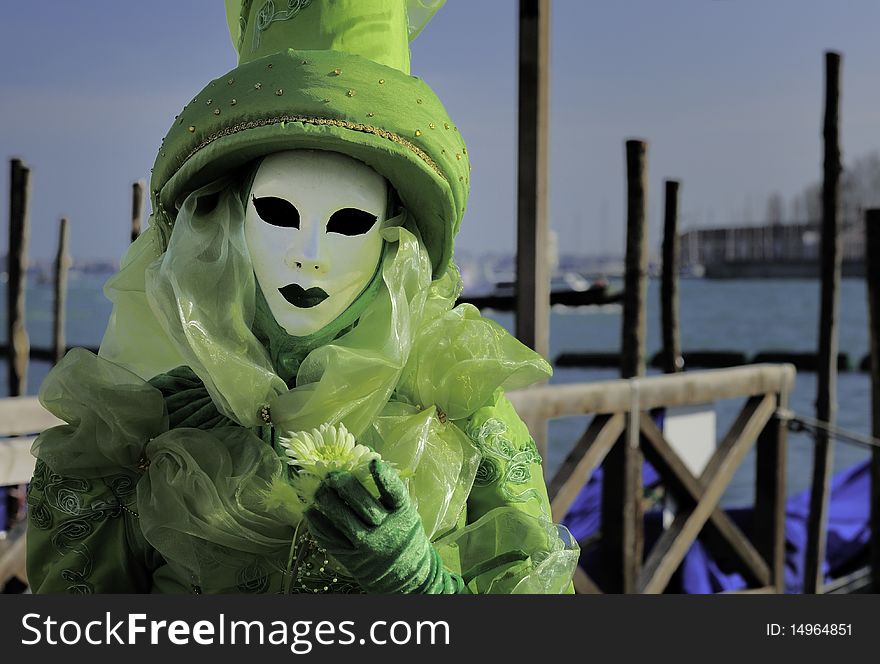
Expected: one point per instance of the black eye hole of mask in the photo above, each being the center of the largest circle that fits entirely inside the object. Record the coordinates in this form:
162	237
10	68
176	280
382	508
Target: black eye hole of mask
277	211
350	221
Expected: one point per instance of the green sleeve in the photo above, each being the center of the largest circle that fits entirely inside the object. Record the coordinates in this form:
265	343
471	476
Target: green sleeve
83	536
510	472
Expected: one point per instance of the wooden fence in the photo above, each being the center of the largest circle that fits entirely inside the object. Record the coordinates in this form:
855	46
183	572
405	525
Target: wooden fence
621	417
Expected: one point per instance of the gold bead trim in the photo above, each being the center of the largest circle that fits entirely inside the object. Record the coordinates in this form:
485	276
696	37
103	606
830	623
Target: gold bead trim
343	124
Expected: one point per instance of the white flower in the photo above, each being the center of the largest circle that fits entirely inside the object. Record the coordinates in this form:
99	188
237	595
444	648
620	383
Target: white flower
330	447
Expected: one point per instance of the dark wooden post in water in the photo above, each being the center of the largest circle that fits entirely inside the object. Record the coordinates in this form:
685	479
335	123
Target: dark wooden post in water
137	206
18	343
632	361
671	353
62	264
872	272
622	519
532	269
826	399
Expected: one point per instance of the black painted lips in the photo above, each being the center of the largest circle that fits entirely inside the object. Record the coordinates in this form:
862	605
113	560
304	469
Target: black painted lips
302	298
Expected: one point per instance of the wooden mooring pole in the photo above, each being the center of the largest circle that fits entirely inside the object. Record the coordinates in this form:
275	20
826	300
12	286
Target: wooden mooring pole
826	398
532	269
18	346
62	265
671	353
532	234
622	518
872	274
137	206
635	287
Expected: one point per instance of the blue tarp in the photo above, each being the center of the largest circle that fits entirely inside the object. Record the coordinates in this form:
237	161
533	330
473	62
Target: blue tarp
848	534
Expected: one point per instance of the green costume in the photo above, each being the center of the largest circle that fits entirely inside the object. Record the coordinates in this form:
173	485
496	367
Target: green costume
169	477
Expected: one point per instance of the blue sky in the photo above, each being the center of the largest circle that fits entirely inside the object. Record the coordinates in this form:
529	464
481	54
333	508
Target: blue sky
727	92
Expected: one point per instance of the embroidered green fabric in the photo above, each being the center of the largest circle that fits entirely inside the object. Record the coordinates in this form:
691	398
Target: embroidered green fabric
87	530
410	379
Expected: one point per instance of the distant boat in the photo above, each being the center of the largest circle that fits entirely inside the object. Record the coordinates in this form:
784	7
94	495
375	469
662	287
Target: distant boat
569	290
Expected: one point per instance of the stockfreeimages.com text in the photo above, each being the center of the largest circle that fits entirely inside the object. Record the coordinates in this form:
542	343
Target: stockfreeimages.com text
300	635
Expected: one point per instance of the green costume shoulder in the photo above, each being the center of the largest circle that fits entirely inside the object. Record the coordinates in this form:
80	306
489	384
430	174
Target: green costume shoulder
83	534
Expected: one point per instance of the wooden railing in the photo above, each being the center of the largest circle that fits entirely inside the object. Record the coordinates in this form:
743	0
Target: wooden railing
622	435
21	419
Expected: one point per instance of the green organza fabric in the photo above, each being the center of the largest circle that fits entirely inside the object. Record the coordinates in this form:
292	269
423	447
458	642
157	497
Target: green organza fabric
504	552
404	380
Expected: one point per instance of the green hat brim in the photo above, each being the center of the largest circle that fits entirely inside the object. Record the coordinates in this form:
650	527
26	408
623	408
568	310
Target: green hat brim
323	100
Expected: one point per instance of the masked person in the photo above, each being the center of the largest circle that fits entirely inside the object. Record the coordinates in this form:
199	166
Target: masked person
291	310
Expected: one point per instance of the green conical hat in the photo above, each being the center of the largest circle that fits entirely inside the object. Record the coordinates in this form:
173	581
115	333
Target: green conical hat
325	75
375	29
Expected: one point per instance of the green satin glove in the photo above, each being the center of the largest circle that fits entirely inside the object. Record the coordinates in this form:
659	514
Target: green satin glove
381	542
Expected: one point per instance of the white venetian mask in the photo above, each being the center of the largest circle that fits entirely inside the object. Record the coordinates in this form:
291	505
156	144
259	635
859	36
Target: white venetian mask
312	230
